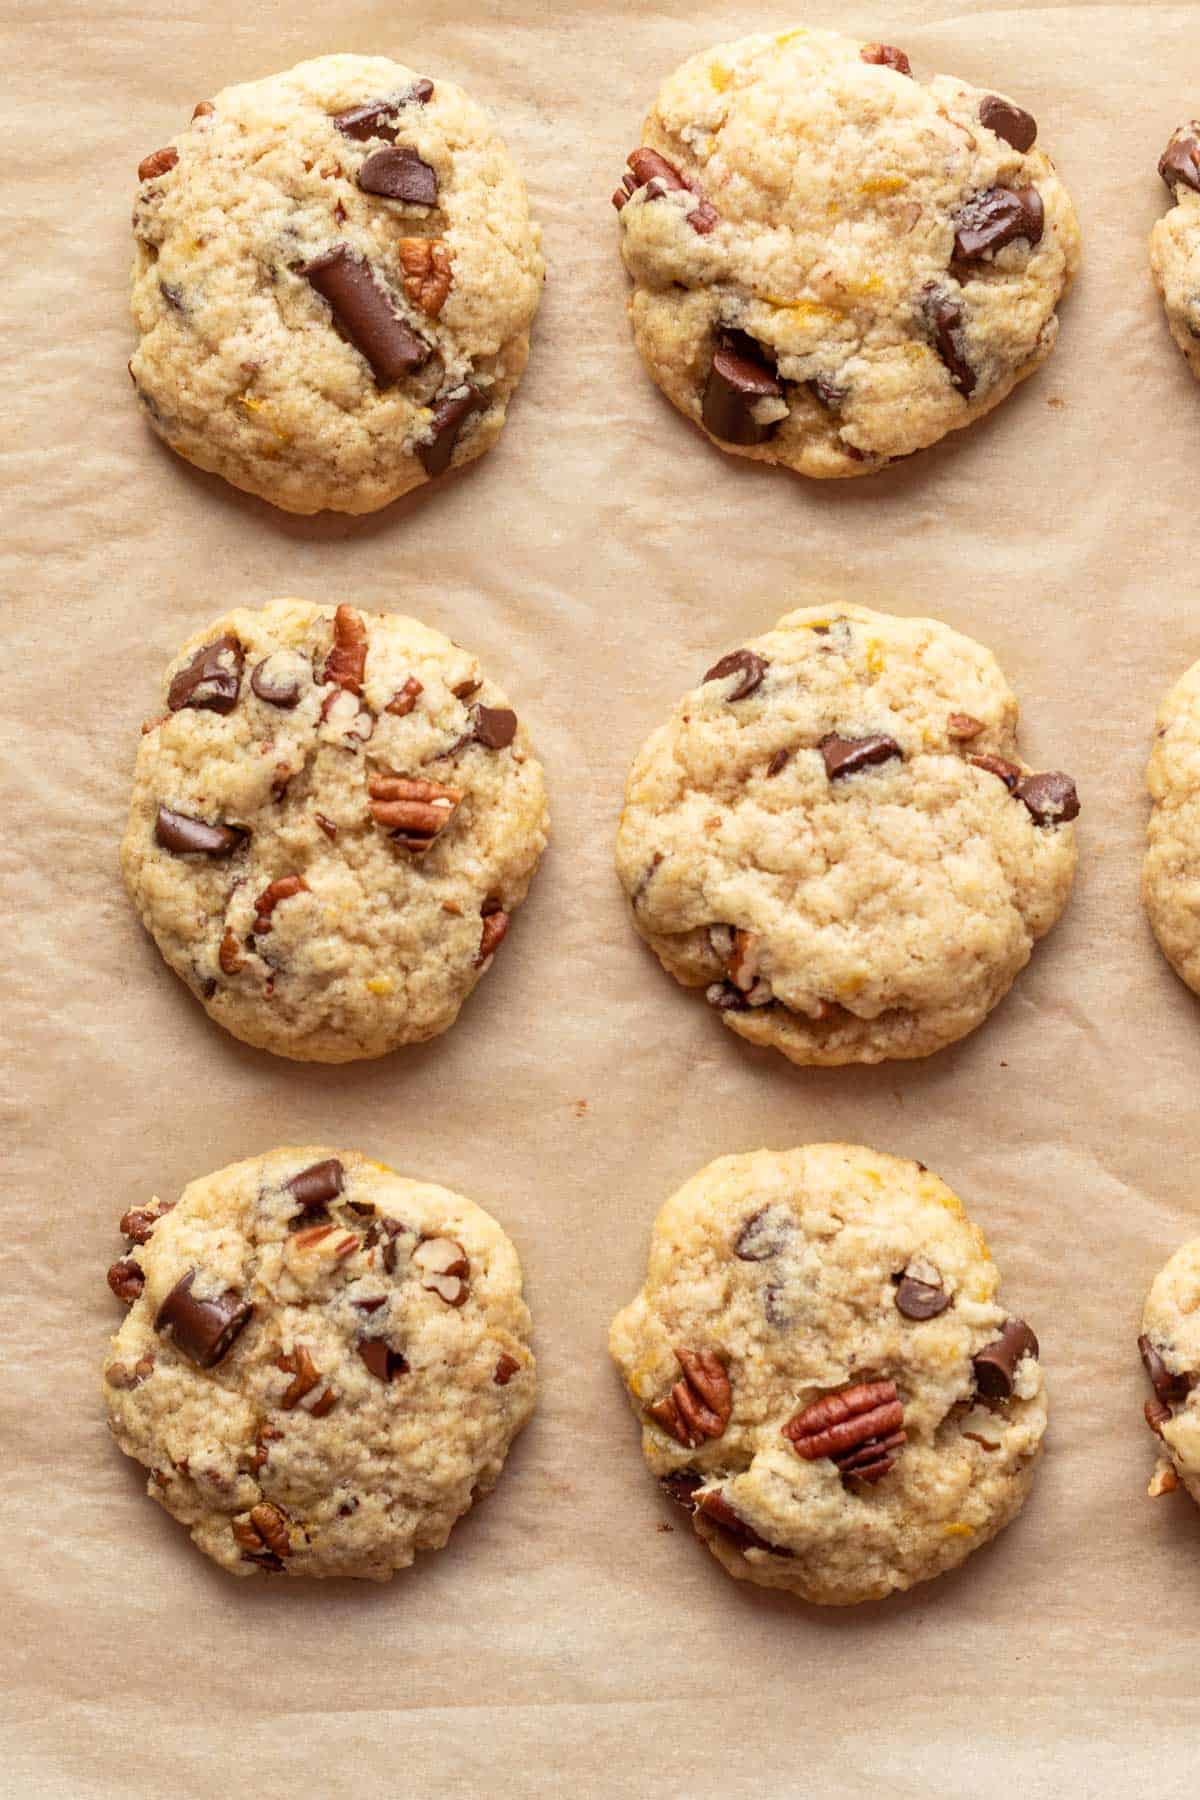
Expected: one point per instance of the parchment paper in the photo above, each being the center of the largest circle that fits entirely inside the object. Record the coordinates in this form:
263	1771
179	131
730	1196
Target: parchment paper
598	560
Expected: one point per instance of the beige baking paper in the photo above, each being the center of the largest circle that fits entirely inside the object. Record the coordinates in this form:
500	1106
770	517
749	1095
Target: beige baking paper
598	561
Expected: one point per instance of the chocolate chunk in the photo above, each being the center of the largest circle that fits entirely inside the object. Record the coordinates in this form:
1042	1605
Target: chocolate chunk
746	665
996	217
765	1234
778	763
1007	772
275	681
920	1299
887	56
1180	161
680	1486
204	1330
399	174
1166	1385
846	756
126	1279
317	1185
506	1368
945	319
383	1362
494	727
1012	123
372	119
1051	797
365	313
449	417
996	1363
724	997
183	835
212	680
737	379
157	163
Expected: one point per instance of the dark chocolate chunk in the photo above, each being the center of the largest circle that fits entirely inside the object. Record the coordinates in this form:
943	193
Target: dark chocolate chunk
765	1234
1051	797
1166	1385
996	217
383	1362
365	313
996	1363
886	56
317	1185
920	1299
374	118
275	681
1007	772
846	756
399	174
183	835
204	1330
746	665
714	1506
736	380
1180	161
945	320
494	727
449	417
1012	123
680	1486
212	680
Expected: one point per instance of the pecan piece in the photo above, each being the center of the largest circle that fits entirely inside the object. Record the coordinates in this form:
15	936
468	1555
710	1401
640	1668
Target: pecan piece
444	1267
996	217
700	1405
886	56
347	660
126	1279
138	1223
961	727
263	1535
1180	161
282	889
506	1368
157	163
405	698
427	272
211	681
658	176
713	1504
1167	1386
859	1428
495	930
119	1375
412	810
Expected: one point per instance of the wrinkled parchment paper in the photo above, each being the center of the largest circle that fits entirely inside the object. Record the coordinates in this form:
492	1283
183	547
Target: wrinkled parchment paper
598	561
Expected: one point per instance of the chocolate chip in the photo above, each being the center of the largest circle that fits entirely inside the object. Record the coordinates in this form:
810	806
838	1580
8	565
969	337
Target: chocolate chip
997	217
765	1234
1012	123
737	379
449	417
1007	772
383	1362
184	836
724	997
494	727
212	680
846	756
317	1185
1180	161
204	1330
886	56
126	1279
746	665
372	119
399	174
996	1363
1051	797
920	1299
778	762
1166	1385
945	319
274	680
366	315
680	1486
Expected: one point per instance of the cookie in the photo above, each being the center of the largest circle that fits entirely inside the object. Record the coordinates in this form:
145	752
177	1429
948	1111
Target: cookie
323	1365
825	1378
834	837
1175	241
1170	1352
1171	871
334	282
834	264
332	825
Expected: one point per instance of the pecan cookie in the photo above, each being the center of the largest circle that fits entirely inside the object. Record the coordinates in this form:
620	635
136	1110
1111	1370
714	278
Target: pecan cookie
335	278
833	836
825	1378
1171	871
1170	1352
323	1365
1175	241
834	264
332	825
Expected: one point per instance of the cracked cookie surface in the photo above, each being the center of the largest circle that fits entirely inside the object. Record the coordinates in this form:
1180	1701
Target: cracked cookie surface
1175	241
858	1410
834	837
324	1364
335	278
834	264
1171	870
331	827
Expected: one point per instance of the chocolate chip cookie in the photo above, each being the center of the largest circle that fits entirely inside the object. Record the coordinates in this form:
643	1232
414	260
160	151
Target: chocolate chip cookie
834	837
1175	241
824	1375
333	821
323	1364
833	263
1170	1352
1171	871
335	277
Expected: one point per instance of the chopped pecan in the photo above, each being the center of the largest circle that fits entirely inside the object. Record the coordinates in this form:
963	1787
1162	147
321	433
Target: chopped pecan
282	889
299	1364
266	1434
230	954
119	1375
157	163
996	1364
444	1267
742	967
1163	1481
347	660
859	1428
405	698
346	718
506	1368
495	930
700	1405
961	726
427	272
412	810
658	176
126	1279
138	1223
264	1532
1167	1385
886	56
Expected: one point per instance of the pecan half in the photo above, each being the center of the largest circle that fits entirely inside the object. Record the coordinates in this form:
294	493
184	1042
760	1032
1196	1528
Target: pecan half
700	1405
119	1375
962	726
444	1267
658	176
268	900
859	1428
382	1361
157	163
138	1223
263	1535
427	272
347	660
742	967
412	810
